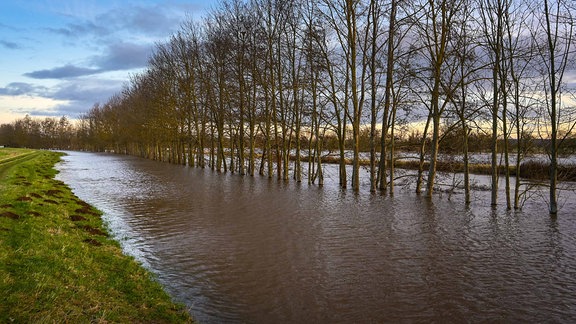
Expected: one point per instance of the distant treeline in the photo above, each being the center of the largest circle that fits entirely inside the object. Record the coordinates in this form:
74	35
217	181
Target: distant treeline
46	133
62	133
258	82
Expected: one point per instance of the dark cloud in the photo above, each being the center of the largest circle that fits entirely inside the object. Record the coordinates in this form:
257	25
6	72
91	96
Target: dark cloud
74	109
159	20
123	56
9	45
87	91
151	20
82	96
62	72
570	78
119	56
22	88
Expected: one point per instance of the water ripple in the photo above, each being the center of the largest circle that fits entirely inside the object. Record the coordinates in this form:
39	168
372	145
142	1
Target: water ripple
242	249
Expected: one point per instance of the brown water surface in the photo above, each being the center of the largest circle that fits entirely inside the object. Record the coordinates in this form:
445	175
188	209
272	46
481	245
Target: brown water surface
243	249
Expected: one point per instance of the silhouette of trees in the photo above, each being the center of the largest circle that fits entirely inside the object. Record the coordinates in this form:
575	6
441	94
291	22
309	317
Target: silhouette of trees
48	133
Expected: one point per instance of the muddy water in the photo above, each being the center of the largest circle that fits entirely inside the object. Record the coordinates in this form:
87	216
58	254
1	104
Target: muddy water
242	249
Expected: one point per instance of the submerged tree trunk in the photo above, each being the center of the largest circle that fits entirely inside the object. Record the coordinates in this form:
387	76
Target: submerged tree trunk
387	95
466	165
422	154
555	80
437	41
392	153
506	144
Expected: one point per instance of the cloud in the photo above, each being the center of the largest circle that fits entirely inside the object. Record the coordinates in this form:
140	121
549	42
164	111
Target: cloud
63	72
81	30
152	20
79	97
11	28
33	105
101	37
70	98
89	90
119	56
9	45
73	109
570	78
158	20
123	56
127	34
22	88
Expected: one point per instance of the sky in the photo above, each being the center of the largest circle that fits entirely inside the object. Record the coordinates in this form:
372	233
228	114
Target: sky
60	57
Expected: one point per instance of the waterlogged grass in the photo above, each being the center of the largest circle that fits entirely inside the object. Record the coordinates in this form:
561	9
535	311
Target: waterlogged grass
57	263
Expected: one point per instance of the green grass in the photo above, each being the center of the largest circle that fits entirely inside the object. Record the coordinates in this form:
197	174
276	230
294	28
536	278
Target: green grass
57	263
11	152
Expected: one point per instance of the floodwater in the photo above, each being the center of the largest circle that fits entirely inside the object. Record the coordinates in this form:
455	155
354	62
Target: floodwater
253	250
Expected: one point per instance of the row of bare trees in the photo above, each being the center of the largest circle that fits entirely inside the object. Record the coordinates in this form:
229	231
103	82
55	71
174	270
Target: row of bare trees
257	85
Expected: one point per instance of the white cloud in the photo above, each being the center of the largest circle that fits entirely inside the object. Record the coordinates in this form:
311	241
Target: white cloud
13	107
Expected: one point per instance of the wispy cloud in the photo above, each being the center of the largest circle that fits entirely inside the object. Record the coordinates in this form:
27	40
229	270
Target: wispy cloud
78	30
8	27
9	45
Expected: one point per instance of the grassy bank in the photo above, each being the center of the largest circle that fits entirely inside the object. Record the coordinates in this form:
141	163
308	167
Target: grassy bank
57	263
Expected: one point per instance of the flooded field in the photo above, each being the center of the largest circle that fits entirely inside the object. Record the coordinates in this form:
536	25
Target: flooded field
243	249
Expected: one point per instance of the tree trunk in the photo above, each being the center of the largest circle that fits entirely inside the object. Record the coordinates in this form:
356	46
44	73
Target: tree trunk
387	95
553	114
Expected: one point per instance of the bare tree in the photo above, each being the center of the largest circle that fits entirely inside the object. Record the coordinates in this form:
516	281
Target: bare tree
492	12
388	93
464	44
556	52
435	31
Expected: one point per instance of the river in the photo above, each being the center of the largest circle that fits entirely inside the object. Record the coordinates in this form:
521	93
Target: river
253	250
